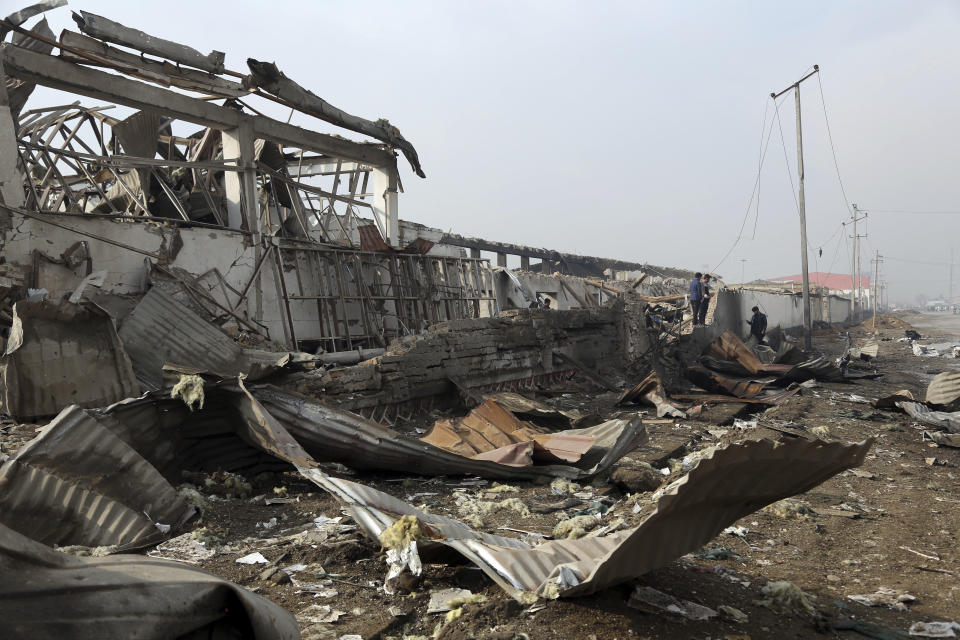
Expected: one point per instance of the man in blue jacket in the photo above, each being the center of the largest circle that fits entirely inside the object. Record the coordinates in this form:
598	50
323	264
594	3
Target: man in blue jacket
696	295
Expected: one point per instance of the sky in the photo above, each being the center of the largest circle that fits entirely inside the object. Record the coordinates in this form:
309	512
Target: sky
635	130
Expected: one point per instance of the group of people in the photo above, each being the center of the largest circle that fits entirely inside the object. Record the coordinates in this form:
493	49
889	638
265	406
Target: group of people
700	295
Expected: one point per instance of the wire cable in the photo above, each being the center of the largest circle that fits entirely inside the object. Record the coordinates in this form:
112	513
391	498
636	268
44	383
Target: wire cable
836	164
753	193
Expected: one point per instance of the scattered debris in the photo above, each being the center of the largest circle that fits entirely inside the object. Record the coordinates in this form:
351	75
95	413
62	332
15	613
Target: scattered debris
886	597
253	558
934	629
654	601
784	596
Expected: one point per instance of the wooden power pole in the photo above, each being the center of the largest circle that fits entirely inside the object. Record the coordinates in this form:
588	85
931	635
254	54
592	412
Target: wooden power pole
807	320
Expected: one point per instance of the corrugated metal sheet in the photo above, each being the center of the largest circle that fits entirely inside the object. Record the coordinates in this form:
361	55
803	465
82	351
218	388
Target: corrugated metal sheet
59	354
162	331
944	390
730	347
334	435
492	432
48	594
79	483
370	238
724	487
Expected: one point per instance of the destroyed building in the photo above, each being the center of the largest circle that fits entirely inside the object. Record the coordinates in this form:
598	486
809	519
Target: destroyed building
189	286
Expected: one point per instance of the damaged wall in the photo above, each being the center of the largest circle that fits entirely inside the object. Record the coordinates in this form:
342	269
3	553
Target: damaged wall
477	353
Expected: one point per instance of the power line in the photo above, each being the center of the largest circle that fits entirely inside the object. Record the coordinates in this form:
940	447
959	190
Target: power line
915	212
836	165
926	262
756	185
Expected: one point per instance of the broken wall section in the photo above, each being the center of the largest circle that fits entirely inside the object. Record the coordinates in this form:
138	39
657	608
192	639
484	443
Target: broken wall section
516	350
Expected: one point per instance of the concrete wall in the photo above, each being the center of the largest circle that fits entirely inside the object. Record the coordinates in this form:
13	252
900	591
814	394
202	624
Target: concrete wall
122	249
510	296
516	349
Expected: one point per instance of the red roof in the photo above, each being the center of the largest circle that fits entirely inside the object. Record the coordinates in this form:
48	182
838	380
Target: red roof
828	280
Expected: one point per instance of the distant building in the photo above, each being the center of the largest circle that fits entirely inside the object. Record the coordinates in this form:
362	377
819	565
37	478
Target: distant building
835	283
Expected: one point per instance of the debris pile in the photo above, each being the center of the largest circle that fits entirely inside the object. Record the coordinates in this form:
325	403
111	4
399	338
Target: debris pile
254	412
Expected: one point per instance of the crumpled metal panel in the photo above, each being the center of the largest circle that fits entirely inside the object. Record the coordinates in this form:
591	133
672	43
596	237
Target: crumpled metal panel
335	435
59	354
651	390
78	482
948	421
48	594
493	432
944	391
716	383
162	331
730	347
726	486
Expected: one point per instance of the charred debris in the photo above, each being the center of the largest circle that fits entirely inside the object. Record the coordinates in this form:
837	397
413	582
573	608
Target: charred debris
190	288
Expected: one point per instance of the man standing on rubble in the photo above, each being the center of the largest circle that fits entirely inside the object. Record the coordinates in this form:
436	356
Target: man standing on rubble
705	299
696	295
758	325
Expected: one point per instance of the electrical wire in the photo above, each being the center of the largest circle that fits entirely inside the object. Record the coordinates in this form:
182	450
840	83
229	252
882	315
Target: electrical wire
915	212
756	186
836	164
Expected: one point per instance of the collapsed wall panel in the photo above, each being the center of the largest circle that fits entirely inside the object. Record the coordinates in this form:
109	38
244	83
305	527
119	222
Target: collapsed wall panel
62	354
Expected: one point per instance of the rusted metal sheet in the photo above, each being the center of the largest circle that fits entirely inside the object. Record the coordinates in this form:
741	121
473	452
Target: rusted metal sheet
651	391
370	238
944	391
715	383
162	331
60	354
729	347
81	482
534	411
492	432
48	594
334	435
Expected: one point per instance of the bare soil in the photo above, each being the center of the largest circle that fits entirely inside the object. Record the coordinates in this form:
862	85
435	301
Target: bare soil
900	531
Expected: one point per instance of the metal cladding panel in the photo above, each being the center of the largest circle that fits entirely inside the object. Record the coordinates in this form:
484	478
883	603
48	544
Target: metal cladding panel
339	436
48	594
62	353
162	331
78	483
944	390
724	487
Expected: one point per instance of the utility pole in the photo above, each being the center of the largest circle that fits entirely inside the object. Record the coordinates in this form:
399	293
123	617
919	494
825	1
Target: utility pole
874	286
950	299
742	261
854	272
807	321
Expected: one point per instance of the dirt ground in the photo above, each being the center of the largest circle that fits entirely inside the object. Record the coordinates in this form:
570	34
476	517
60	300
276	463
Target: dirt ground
892	523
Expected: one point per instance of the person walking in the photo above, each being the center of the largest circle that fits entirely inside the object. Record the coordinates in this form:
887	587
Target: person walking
705	299
696	295
758	325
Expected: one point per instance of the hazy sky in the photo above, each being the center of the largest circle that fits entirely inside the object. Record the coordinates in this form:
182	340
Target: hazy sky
632	130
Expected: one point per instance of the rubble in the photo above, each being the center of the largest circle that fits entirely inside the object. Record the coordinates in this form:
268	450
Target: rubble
229	332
